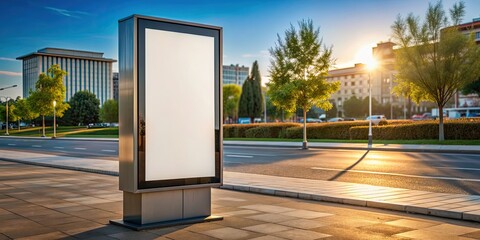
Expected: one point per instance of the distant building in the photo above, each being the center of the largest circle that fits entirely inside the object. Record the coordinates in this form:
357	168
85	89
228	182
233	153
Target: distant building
354	82
471	27
235	74
115	86
86	71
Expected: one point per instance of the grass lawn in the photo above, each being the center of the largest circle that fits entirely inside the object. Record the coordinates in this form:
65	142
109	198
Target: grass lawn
65	131
425	141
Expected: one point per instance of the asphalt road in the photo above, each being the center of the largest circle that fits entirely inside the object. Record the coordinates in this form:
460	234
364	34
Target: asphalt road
436	172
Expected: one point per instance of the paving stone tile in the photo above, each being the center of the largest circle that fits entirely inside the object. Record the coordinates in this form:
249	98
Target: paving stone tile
238	222
384	229
303	223
451	229
299	234
228	233
271	218
267	208
267	228
474	235
306	214
267	238
134	235
408	223
429	235
51	235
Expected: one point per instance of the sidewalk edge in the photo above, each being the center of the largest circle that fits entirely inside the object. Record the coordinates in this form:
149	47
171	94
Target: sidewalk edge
81	169
466	216
361	148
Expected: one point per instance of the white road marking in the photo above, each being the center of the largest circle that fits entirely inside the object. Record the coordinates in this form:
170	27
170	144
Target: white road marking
459	168
80	148
107	150
239	156
36	146
59	147
253	154
12	144
398	174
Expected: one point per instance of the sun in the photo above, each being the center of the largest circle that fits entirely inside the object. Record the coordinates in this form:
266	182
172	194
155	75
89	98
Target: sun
364	55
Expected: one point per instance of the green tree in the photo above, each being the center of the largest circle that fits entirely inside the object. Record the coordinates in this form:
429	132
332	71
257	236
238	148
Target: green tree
84	109
49	88
23	112
251	99
298	71
354	107
332	112
434	57
231	96
109	111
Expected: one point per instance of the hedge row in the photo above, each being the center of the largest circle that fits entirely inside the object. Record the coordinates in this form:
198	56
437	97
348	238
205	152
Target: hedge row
334	130
454	130
257	130
468	129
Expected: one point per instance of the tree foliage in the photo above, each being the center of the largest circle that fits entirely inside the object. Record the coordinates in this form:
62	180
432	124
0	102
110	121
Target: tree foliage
84	109
231	97
434	58
49	88
472	88
332	112
22	111
251	99
353	107
109	111
298	70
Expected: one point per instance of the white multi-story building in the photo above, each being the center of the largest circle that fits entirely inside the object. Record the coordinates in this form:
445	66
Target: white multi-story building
234	74
86	71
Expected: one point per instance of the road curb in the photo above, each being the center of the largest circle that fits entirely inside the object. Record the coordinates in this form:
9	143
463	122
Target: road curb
63	138
468	216
362	148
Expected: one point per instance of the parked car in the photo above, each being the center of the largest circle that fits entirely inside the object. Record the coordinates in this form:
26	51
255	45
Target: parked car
425	116
377	118
337	119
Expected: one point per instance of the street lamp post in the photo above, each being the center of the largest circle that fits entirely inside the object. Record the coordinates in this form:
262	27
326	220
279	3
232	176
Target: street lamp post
54	119
371	66
369	111
6	115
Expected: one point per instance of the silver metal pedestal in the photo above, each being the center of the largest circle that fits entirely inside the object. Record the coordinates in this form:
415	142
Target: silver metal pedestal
166	208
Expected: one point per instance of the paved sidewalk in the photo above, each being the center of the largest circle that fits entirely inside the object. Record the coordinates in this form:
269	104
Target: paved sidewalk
455	206
49	203
363	146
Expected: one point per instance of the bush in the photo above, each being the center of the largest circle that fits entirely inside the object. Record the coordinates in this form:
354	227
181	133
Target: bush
332	130
273	130
262	130
454	130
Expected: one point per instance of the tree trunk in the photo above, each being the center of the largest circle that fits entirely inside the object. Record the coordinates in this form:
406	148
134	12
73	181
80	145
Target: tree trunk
19	125
441	135
43	125
305	144
409	108
252	119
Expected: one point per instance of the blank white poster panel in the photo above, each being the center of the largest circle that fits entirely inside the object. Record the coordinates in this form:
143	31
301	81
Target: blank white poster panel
179	105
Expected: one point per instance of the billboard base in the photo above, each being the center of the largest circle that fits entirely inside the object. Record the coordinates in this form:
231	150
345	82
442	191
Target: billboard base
138	227
166	208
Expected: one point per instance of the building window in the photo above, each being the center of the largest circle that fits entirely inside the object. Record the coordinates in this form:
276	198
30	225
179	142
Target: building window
360	82
345	84
352	83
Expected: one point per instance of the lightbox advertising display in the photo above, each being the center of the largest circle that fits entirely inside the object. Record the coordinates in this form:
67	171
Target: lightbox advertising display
179	112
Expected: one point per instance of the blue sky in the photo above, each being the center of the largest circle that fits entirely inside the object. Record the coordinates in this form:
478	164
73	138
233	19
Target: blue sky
250	27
